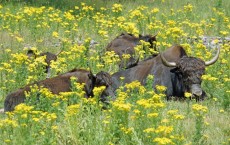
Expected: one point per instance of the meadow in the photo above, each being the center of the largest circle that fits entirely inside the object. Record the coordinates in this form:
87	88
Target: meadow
139	115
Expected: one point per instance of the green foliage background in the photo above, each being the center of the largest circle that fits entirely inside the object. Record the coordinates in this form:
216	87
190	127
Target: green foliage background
135	117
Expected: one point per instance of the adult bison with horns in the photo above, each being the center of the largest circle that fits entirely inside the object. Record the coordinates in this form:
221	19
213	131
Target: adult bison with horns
173	68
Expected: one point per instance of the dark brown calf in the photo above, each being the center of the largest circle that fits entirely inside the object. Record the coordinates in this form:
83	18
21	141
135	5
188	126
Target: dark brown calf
61	83
49	57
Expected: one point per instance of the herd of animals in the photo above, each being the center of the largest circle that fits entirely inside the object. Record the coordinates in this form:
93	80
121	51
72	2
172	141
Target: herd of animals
172	68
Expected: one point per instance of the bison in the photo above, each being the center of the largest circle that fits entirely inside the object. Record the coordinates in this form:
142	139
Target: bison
61	83
173	68
49	57
125	43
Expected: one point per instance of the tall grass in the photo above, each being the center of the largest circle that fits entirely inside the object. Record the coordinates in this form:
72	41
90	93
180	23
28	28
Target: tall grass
138	115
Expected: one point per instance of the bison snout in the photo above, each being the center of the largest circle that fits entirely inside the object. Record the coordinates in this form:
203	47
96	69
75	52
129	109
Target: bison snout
196	90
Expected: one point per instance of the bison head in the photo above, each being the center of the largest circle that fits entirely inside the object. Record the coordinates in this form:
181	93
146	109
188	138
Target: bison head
105	79
48	58
149	38
190	70
89	85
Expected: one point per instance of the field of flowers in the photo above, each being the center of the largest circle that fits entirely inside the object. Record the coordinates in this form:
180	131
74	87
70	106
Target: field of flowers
139	115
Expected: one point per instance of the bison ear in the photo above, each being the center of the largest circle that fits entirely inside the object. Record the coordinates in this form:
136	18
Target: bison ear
122	34
31	53
153	38
91	76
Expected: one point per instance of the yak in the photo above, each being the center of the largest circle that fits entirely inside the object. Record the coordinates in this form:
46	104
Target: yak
173	68
125	43
49	57
60	83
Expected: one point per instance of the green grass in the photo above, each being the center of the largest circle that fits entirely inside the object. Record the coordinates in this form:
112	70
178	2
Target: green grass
127	121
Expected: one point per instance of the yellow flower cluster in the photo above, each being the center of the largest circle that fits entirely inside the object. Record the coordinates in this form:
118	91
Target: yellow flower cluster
161	88
164	129
130	28
137	14
98	90
8	122
174	115
46	92
117	8
23	108
209	77
138	107
133	85
163	141
188	7
126	56
187	94
199	110
110	57
72	110
155	10
19	58
126	130
122	106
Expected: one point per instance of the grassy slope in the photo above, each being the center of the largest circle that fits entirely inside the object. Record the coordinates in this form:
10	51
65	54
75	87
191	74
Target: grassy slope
218	128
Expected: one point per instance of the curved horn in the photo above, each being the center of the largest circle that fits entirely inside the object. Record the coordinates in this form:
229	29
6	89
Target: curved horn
166	63
59	52
214	59
129	65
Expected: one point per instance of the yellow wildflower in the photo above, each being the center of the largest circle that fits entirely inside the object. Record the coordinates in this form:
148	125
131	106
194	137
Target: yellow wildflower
126	130
160	88
136	111
73	109
117	8
55	34
24	115
51	117
188	7
23	108
122	106
54	127
224	33
42	133
155	10
221	110
149	130
187	94
179	117
35	119
164	129
172	112
163	140
7	140
199	109
145	103
152	115
98	90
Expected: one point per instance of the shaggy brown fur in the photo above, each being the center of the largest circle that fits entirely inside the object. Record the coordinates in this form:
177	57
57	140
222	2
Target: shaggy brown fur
183	76
61	83
125	43
192	69
49	57
103	79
